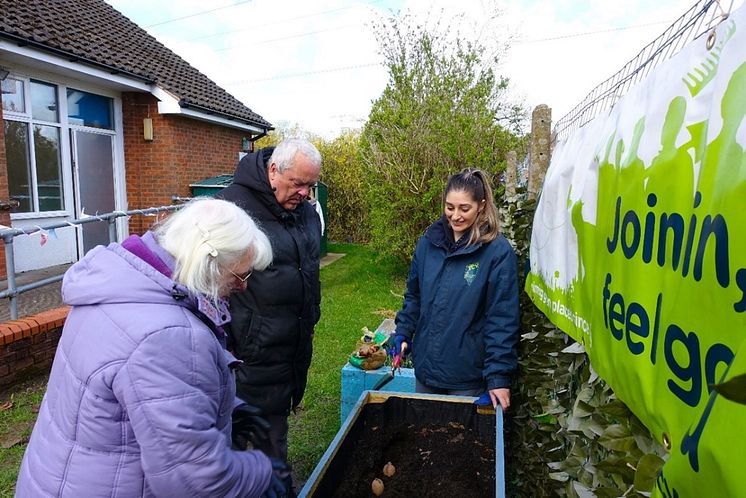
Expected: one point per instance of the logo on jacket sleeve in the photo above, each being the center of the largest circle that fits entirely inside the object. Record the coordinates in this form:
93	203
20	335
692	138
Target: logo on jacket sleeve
470	272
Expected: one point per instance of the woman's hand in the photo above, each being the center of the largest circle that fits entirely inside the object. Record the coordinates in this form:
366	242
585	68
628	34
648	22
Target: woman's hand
500	395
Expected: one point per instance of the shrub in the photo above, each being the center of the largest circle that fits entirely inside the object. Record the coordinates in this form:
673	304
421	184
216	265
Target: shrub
443	109
343	174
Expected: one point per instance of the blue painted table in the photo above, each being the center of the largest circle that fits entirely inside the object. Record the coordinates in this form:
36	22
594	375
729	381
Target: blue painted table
355	381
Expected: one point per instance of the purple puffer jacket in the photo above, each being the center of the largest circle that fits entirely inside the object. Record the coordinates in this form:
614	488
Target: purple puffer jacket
140	396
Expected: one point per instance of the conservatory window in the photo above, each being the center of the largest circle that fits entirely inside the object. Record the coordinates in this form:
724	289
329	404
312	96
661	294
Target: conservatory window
32	145
88	109
13	95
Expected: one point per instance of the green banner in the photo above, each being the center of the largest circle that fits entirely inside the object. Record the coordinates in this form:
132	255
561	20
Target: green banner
638	251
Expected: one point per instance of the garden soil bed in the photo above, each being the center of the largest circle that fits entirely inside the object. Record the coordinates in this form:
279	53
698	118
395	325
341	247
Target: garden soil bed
430	460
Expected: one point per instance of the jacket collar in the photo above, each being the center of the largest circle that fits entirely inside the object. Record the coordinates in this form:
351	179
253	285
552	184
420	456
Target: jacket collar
147	249
440	235
251	173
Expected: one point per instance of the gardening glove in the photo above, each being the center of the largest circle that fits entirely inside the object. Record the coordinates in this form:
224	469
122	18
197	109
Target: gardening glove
281	483
398	341
249	427
484	399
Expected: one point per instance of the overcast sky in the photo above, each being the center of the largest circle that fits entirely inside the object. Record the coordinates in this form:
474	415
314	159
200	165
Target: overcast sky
316	64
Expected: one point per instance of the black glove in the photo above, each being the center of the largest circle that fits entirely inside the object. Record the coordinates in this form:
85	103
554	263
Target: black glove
281	483
249	427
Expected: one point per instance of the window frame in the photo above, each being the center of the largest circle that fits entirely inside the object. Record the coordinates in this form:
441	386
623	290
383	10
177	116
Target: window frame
27	119
65	127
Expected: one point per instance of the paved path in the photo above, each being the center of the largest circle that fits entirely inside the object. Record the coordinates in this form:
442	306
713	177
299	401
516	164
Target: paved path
37	300
330	258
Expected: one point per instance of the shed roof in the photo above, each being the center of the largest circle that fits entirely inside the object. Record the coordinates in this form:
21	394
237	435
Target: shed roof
93	32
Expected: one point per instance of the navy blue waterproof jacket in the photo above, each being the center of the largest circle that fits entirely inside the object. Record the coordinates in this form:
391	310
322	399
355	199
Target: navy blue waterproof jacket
461	311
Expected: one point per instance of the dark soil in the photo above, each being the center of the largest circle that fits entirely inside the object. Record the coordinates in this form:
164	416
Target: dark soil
431	460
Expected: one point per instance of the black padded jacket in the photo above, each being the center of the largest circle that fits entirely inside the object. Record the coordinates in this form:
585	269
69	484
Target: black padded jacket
273	319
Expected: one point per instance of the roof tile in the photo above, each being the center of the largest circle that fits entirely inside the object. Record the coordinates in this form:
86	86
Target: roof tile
95	32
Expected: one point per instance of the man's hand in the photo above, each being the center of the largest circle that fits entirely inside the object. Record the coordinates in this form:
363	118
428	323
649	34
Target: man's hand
249	427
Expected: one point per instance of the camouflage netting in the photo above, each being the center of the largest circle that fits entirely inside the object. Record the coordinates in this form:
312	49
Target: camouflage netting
566	433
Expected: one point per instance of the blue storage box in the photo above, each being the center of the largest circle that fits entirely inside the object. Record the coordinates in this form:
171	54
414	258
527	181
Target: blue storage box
355	380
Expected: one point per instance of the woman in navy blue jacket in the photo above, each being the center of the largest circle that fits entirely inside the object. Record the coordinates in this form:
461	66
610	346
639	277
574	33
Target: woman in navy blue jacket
460	313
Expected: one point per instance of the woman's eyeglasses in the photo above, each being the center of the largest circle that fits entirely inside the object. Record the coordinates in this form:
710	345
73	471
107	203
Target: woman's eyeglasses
240	278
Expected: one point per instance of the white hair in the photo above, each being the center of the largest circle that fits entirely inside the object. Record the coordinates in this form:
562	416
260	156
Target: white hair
286	151
208	237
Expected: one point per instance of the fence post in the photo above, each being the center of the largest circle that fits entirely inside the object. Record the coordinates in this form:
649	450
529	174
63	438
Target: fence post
511	174
541	126
112	229
10	267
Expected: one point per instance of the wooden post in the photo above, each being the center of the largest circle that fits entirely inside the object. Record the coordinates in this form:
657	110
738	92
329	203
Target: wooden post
511	174
541	127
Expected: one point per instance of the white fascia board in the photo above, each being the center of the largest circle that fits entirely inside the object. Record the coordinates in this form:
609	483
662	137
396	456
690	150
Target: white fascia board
51	63
168	103
201	116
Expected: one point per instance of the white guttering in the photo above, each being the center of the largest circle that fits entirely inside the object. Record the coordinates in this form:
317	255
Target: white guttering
168	103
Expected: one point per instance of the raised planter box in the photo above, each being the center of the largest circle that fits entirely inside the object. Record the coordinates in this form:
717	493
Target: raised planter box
28	345
441	445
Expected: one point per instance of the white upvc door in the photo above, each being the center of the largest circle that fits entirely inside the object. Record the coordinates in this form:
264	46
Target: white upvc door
93	172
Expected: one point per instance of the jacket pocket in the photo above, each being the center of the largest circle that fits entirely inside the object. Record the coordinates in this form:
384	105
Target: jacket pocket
249	335
476	350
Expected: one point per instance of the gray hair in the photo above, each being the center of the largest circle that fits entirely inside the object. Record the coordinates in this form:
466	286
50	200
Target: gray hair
286	151
208	237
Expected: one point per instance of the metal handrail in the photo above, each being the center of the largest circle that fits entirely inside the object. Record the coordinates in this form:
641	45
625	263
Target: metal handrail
8	234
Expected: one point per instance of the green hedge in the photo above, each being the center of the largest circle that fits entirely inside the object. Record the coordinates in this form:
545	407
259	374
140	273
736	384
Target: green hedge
343	174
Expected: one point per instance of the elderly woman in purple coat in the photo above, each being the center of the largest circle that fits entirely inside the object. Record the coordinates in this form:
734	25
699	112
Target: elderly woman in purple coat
141	392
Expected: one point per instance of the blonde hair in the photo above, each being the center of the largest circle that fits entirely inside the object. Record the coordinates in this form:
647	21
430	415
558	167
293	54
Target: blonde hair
208	237
474	182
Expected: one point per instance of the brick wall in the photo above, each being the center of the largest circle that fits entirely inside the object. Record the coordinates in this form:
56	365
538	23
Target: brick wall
183	151
4	195
27	345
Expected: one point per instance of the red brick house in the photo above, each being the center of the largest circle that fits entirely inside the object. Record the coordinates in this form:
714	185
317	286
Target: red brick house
98	116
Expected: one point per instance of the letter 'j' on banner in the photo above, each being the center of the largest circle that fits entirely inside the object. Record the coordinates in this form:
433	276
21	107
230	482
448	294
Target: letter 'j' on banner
638	251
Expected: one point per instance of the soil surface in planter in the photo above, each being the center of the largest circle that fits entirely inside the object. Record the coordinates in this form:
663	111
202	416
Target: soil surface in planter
431	460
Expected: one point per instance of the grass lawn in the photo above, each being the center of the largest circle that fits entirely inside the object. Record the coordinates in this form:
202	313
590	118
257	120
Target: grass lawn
18	408
357	291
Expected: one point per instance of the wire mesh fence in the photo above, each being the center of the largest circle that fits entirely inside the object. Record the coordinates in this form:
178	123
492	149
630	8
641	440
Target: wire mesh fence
698	20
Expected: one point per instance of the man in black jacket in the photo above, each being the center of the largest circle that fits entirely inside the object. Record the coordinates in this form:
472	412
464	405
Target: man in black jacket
273	319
